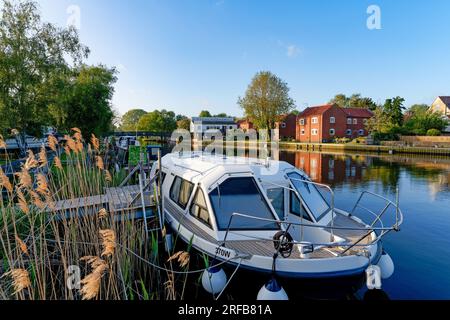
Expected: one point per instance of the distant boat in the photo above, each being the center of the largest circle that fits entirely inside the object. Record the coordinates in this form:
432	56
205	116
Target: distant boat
237	211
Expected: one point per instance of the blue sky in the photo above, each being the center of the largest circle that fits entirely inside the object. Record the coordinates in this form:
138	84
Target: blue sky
189	55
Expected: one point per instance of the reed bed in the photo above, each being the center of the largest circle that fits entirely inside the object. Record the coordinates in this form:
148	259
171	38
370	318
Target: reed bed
42	251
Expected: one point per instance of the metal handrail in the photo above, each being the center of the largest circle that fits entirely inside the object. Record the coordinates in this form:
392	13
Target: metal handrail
370	230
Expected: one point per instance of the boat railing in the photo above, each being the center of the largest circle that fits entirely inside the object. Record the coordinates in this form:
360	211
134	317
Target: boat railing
371	229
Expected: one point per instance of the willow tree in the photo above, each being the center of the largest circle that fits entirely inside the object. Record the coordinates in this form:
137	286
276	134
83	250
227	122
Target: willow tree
35	58
266	100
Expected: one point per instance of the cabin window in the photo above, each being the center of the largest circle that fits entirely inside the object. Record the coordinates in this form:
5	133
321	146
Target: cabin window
332	119
283	125
355	121
315	120
199	209
294	207
332	132
349	121
241	195
311	196
302	122
276	197
181	191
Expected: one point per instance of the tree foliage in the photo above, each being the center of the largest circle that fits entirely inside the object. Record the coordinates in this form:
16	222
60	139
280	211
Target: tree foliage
33	65
158	121
266	99
86	103
131	118
205	114
354	101
420	119
184	123
394	108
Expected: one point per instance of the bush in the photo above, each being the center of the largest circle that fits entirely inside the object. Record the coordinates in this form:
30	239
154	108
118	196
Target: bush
433	133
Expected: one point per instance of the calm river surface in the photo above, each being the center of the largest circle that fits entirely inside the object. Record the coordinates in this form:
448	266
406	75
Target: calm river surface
421	251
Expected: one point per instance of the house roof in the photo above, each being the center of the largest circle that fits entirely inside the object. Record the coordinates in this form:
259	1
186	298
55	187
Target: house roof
445	100
313	111
358	112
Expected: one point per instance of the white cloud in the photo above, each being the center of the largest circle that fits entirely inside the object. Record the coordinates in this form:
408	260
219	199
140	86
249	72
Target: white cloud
292	51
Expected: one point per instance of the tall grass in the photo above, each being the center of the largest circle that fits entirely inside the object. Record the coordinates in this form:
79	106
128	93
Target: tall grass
42	247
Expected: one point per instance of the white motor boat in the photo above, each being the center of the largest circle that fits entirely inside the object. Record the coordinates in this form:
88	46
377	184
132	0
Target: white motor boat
268	216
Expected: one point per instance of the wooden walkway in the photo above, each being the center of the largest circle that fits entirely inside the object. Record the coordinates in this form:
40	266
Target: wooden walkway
119	199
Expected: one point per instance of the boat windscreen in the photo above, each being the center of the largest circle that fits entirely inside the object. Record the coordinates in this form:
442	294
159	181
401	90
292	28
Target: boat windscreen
311	196
241	195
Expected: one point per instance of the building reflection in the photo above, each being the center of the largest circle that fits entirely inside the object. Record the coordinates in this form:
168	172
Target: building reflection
335	169
329	168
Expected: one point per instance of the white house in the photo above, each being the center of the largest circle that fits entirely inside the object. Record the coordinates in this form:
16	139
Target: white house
442	105
200	125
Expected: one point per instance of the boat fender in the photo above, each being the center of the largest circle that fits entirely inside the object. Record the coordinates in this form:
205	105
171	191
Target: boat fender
386	266
214	280
283	243
272	291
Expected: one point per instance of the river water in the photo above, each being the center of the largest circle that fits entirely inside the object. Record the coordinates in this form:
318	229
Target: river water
421	250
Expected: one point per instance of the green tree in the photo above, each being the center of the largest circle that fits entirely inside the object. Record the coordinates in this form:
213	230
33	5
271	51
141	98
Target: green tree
205	114
35	58
380	122
184	123
421	120
266	99
131	118
158	121
394	110
221	115
354	101
87	102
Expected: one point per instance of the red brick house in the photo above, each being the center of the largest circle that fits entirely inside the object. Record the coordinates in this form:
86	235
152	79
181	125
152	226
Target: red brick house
287	126
245	124
325	123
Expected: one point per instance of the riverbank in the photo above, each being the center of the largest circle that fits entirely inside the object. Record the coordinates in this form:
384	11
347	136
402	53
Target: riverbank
294	146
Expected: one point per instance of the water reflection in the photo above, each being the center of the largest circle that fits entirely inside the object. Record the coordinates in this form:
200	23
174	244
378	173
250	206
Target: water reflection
421	251
348	169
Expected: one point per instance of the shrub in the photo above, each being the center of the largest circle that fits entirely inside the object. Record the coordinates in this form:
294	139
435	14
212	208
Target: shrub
433	133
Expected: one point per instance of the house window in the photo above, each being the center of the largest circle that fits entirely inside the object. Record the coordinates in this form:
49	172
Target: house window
349	121
303	132
283	125
180	192
365	121
332	120
199	209
332	132
315	120
355	121
349	132
361	132
314	132
302	122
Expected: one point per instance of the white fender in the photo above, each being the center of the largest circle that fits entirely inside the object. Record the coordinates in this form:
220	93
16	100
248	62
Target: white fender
386	265
214	280
272	291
